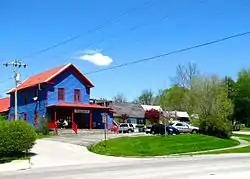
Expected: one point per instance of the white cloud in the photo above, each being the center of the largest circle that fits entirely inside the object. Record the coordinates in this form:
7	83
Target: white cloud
96	57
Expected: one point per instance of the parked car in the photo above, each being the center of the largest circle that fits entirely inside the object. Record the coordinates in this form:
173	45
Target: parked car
126	128
161	129
185	128
148	129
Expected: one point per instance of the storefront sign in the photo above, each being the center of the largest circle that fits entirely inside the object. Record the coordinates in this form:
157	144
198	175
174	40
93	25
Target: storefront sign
81	111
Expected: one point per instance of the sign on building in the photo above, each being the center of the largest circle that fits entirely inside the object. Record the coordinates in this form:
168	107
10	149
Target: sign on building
81	111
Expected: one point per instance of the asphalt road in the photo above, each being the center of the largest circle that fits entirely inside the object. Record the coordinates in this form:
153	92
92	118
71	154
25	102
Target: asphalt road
225	166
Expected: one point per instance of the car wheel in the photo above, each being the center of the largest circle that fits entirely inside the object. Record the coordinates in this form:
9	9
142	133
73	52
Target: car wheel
129	131
194	132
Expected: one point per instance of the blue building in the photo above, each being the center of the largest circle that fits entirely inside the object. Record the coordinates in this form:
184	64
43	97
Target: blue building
62	93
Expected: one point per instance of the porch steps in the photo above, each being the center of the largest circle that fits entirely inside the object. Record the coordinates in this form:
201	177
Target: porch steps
83	131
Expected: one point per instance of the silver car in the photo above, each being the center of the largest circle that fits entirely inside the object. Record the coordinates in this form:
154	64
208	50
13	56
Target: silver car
126	128
185	128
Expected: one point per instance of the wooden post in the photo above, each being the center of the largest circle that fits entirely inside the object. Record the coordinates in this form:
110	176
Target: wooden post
90	119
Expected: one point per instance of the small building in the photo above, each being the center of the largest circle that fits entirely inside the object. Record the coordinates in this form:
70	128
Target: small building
179	115
62	93
149	107
4	107
134	112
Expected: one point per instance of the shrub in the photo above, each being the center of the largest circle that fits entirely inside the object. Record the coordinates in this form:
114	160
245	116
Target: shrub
213	126
43	127
15	137
2	118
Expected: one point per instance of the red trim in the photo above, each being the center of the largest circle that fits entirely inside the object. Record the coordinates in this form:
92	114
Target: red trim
77	73
61	94
74	105
90	119
74	126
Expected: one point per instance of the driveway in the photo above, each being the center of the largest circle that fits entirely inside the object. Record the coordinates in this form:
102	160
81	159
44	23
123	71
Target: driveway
87	139
65	150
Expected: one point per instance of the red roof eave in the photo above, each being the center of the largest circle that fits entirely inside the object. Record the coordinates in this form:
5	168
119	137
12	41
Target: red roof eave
73	105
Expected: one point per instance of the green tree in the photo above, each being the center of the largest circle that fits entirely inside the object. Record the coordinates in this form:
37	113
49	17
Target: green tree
173	98
242	97
208	97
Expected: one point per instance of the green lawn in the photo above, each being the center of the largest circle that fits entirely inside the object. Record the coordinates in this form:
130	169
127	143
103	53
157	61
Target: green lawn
41	136
160	145
21	156
243	137
238	150
245	129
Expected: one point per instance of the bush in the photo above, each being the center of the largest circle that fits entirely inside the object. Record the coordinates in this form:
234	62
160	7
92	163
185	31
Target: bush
43	127
214	127
15	137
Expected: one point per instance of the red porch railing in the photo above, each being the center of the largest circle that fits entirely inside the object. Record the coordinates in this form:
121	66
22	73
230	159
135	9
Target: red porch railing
53	125
74	127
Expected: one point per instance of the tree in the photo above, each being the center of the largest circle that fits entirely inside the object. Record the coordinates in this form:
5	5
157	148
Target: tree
173	98
153	115
241	97
120	98
208	97
185	74
146	98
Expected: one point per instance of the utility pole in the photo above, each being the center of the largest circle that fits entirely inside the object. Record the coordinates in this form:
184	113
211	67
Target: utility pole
16	64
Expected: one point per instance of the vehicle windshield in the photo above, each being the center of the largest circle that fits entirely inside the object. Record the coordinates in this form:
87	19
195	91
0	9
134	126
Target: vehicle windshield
123	125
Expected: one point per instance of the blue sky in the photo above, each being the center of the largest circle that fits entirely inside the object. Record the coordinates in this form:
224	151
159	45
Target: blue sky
156	27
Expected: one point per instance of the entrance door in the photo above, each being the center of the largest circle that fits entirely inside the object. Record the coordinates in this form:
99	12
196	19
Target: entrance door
82	120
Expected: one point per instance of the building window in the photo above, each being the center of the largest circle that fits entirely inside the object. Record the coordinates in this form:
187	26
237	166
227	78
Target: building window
77	95
61	94
25	116
25	97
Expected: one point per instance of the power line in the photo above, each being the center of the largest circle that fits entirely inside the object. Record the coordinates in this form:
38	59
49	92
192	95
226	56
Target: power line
170	53
4	81
90	31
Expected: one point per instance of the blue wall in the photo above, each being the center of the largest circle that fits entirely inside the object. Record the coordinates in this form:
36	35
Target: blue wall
97	118
69	82
31	106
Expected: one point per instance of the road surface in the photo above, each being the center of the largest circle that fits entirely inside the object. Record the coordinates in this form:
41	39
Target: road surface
200	167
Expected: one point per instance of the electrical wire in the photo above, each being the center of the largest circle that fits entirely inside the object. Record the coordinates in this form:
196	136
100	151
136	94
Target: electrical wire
171	53
88	32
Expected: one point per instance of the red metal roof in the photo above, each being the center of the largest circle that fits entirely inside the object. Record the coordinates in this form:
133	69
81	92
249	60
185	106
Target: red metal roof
4	104
49	75
73	105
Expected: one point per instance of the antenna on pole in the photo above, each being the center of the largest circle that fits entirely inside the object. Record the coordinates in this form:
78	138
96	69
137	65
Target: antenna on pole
17	77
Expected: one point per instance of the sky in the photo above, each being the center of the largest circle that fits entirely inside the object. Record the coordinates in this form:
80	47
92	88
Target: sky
115	32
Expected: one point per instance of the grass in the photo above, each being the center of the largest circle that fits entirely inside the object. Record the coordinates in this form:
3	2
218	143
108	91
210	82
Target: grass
247	129
237	150
243	137
160	145
21	156
42	136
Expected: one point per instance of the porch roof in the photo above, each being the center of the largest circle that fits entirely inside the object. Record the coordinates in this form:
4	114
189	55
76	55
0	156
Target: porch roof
73	105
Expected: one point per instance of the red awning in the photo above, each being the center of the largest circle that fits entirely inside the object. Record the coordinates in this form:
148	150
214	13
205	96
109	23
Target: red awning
73	105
